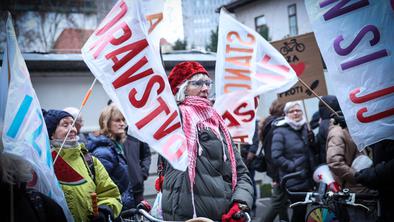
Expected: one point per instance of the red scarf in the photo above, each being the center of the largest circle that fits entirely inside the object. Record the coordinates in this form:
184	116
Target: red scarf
197	114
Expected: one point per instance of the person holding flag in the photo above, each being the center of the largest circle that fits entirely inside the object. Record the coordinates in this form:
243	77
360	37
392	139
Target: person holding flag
90	193
216	184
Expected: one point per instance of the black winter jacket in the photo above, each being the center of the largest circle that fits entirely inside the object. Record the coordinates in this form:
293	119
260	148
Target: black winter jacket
29	205
212	189
138	157
381	177
291	153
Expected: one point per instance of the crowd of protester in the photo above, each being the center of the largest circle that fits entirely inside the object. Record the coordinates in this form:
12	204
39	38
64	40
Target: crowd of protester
111	166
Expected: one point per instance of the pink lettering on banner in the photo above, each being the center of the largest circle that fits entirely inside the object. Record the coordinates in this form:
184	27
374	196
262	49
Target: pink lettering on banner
368	97
362	99
282	68
133	48
123	10
129	77
233	121
339	8
371	118
170	143
109	38
241	138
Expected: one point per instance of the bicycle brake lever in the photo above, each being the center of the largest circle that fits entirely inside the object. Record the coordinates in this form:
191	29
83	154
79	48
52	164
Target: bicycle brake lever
360	205
300	203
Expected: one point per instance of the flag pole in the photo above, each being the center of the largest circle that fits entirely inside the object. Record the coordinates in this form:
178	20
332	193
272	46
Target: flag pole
317	96
85	99
306	115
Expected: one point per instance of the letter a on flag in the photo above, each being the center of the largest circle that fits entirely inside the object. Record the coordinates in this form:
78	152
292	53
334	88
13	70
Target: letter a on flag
24	132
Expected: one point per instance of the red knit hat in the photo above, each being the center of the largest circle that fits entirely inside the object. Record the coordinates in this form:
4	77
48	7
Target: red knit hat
182	72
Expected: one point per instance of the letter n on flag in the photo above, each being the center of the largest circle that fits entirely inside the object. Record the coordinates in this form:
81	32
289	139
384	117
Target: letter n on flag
246	67
25	133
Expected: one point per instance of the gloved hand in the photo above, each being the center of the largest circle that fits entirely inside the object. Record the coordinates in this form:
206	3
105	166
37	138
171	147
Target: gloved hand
144	205
339	119
368	176
101	217
105	213
232	212
311	137
159	183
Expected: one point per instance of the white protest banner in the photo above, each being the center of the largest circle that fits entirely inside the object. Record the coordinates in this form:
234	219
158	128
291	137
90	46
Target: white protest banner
356	41
24	132
246	66
120	54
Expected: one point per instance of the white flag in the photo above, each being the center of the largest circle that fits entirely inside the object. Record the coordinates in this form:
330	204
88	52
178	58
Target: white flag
121	55
25	132
356	42
246	66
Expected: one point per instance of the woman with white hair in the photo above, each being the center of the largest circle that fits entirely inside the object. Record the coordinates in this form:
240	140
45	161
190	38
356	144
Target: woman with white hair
292	152
216	184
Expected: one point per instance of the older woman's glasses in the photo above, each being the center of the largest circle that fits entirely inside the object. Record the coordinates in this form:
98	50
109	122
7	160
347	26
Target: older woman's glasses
295	111
200	83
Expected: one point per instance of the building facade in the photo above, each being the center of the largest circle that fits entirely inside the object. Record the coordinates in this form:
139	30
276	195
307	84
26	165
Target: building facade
199	19
276	20
282	18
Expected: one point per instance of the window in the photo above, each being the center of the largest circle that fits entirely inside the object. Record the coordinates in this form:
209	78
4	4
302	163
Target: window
292	10
261	27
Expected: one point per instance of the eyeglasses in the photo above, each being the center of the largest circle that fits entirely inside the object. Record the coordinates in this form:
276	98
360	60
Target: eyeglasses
200	83
295	111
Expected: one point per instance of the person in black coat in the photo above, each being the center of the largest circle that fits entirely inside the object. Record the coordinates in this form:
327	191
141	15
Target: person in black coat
292	152
381	177
325	114
27	204
138	157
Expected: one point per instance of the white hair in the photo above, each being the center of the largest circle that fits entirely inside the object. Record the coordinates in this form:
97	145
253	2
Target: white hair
73	111
181	94
290	105
14	169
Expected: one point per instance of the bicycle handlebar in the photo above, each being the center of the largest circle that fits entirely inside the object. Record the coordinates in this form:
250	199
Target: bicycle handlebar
284	180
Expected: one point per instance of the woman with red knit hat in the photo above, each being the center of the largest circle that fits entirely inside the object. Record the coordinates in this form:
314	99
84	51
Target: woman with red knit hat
216	184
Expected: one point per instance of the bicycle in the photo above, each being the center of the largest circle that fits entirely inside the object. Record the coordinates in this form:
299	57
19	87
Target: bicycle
290	46
327	206
141	213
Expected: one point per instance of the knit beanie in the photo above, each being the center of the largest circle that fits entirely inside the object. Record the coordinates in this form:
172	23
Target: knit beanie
52	118
182	72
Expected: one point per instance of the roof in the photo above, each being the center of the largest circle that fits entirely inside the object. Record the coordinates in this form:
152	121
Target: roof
235	4
71	40
41	62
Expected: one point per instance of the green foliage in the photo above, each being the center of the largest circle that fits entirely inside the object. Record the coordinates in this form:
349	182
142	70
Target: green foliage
213	44
180	45
265	190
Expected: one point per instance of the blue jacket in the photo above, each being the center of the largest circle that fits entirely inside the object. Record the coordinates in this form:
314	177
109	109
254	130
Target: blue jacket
115	163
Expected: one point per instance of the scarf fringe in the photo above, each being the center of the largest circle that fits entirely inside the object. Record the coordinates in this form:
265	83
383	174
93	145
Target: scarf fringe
198	113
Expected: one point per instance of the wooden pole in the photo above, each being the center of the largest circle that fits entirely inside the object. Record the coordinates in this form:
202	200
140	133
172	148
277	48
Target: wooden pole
317	96
85	99
306	116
